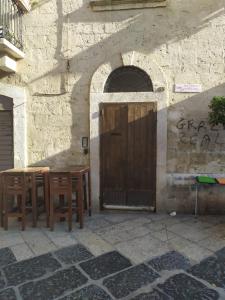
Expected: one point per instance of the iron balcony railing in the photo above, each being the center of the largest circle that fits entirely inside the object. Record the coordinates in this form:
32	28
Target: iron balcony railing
11	22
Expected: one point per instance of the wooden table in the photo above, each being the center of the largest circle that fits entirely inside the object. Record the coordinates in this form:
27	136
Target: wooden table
79	173
32	172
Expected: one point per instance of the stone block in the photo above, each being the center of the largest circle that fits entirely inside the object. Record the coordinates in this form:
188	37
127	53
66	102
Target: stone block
73	254
182	286
22	252
91	292
54	286
32	268
8	294
6	257
211	269
128	281
105	264
170	261
92	241
154	295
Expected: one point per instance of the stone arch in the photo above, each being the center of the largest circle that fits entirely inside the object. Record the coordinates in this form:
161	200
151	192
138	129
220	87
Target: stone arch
159	95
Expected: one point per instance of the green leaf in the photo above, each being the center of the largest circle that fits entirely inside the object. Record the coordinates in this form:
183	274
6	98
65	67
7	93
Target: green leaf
217	111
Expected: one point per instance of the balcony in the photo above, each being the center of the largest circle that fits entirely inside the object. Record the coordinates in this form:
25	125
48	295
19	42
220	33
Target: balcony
104	5
11	43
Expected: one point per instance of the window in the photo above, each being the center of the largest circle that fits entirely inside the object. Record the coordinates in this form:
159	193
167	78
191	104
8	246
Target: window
128	79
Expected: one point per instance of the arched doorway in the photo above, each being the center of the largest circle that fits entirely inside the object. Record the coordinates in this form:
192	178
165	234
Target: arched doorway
155	95
128	143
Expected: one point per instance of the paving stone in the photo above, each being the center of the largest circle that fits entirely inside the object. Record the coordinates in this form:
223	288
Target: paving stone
93	242
121	217
154	295
32	268
73	254
182	286
155	226
8	294
211	269
6	257
105	264
110	233
54	286
189	249
38	241
218	230
8	239
119	233
158	217
169	221
221	253
190	232
128	281
60	238
142	248
91	292
22	251
96	223
213	243
170	261
2	281
198	224
163	235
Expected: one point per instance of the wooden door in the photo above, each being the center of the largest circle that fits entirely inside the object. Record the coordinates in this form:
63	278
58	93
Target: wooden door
6	133
128	154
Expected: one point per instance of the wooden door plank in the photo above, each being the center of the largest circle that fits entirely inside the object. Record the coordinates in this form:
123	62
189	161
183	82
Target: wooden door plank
113	152
141	154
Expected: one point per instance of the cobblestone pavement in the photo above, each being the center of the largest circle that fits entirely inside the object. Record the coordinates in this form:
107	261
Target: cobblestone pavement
116	256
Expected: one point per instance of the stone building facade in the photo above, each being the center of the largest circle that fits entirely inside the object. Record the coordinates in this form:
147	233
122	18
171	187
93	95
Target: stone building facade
71	47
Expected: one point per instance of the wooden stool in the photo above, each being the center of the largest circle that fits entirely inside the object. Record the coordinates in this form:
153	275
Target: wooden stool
86	192
14	186
60	184
38	181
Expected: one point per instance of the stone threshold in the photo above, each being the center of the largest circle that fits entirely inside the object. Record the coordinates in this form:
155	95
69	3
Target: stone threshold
104	5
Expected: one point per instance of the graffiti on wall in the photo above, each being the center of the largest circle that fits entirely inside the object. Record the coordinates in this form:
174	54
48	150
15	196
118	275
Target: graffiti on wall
200	133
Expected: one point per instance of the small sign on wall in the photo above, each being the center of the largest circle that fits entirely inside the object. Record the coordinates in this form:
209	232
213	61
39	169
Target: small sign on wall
188	88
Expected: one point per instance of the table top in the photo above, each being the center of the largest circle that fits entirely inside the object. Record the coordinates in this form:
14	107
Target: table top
27	170
75	170
71	169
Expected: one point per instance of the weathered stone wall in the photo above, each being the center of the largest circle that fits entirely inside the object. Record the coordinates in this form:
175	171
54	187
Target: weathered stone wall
65	42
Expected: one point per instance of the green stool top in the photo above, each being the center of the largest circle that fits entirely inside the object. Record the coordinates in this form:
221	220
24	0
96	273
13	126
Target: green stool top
206	180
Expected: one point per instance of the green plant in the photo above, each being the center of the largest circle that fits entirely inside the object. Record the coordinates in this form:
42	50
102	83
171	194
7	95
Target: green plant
217	113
